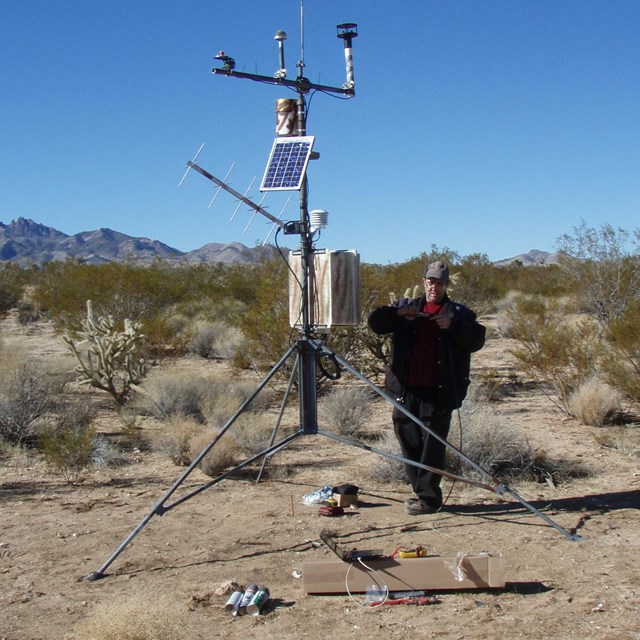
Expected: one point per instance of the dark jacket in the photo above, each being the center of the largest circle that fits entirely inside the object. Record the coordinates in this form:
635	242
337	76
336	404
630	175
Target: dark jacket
453	348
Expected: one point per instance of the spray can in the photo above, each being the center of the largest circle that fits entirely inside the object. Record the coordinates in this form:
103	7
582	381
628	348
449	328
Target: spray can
234	601
246	599
258	601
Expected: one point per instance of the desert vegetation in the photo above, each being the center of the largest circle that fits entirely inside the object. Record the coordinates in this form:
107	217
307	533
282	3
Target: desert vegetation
571	328
153	364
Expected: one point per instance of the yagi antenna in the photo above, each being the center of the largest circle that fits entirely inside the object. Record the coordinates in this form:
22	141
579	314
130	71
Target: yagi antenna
233	215
273	226
215	195
254	214
188	164
252	205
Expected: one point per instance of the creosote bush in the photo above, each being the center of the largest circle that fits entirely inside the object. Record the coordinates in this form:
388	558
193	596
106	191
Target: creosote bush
554	350
69	447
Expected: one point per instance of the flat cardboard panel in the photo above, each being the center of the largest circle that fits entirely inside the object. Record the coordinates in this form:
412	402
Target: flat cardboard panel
460	571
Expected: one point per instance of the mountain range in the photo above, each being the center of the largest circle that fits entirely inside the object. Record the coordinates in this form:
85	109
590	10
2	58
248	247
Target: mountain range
26	242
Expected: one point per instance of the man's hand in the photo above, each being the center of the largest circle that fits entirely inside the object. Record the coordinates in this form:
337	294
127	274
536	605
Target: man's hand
444	322
408	311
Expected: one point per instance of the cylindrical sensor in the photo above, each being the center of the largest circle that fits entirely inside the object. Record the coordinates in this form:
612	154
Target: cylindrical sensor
286	109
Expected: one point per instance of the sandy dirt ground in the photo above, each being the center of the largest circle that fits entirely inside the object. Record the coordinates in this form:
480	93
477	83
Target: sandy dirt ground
53	534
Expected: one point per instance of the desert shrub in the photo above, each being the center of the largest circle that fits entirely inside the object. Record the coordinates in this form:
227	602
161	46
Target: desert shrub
496	445
166	393
212	399
346	409
224	396
252	432
622	364
142	616
216	339
552	348
603	268
220	456
174	439
383	469
27	313
12	281
28	396
264	320
68	447
594	403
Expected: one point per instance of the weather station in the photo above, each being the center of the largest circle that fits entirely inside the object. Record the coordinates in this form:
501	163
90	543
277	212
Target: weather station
323	289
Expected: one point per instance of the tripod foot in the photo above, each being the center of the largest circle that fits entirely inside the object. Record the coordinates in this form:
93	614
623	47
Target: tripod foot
94	576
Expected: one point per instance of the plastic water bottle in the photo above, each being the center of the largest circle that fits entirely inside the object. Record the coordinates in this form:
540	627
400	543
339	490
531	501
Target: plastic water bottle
375	594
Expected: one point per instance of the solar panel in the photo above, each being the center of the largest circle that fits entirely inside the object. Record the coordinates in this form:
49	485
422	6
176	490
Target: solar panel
287	163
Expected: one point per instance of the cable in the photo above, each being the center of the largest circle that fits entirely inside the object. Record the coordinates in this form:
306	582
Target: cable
379	583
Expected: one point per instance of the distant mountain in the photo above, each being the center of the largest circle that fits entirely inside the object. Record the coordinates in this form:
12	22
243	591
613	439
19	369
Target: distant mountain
25	242
535	256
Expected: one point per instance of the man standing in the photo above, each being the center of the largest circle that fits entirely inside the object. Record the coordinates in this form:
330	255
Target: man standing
428	372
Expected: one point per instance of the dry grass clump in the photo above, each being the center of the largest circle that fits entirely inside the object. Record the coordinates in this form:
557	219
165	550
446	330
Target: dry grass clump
140	617
225	395
211	399
383	469
169	393
503	451
220	457
346	409
216	339
175	438
595	403
253	431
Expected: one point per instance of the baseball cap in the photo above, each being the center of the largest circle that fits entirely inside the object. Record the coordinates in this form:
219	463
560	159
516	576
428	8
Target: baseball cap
437	270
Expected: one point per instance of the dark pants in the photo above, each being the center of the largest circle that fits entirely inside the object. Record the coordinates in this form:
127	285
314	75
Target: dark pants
420	446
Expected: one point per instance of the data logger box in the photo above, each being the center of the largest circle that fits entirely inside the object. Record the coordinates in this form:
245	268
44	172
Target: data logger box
334	288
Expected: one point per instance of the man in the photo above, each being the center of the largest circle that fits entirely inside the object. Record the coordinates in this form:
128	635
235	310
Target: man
428	372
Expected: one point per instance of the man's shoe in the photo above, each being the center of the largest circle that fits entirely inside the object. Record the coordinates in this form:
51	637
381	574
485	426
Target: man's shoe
417	507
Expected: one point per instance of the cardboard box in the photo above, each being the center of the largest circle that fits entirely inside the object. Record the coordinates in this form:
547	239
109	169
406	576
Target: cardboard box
344	500
455	571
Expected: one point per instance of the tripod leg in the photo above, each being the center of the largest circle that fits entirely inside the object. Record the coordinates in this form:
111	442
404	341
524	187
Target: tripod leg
279	420
498	488
159	508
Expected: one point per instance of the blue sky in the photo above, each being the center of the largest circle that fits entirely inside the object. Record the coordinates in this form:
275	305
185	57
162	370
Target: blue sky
482	126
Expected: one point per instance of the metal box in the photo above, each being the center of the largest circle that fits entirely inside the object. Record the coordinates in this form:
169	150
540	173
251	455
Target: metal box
334	288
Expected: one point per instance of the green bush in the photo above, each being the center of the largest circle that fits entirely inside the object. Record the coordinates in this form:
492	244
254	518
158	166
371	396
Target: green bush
69	448
553	349
601	268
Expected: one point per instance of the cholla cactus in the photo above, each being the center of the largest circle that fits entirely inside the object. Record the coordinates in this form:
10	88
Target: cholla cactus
107	358
409	293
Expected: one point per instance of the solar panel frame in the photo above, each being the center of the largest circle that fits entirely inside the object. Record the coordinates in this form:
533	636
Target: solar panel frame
287	163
